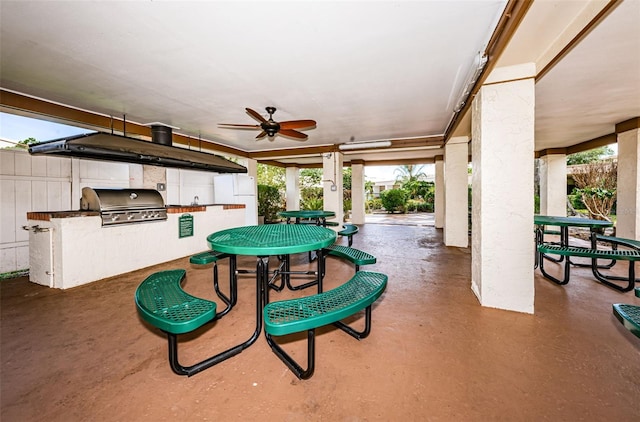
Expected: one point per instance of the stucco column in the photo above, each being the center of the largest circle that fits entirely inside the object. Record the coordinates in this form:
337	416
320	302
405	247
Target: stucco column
357	192
553	185
292	183
456	197
628	205
502	254
252	170
252	167
332	183
438	200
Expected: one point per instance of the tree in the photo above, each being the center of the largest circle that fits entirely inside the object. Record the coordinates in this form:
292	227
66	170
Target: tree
409	173
22	144
310	178
346	178
596	183
272	176
590	156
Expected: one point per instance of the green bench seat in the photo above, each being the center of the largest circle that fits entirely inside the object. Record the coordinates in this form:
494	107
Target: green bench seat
163	303
207	257
310	312
615	254
355	256
349	230
619	241
629	316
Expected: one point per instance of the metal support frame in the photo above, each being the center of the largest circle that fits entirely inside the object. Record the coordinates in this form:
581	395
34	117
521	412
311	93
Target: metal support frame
262	268
306	373
606	280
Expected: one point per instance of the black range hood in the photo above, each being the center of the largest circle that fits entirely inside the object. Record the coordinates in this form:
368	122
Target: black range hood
159	152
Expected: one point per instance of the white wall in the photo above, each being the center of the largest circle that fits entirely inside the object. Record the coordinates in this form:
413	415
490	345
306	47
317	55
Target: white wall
43	183
28	184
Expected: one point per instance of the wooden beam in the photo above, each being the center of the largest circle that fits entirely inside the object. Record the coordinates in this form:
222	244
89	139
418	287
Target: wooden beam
73	116
628	125
576	40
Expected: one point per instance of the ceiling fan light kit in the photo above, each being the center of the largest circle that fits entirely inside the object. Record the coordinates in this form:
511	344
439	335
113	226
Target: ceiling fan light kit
364	145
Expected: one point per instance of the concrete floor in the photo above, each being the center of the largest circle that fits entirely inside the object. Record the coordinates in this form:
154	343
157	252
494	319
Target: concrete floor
433	354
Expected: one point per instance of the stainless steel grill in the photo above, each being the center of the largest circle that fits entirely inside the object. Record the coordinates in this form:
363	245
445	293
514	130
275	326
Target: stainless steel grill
124	206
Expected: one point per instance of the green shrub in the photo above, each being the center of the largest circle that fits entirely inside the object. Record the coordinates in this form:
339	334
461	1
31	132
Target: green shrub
269	202
312	204
311	198
576	201
394	200
373	204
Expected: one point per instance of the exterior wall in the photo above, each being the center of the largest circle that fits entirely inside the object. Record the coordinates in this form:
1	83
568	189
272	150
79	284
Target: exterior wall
28	183
42	183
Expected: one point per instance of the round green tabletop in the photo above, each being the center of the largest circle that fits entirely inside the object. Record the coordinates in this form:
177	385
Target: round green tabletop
549	220
307	214
271	239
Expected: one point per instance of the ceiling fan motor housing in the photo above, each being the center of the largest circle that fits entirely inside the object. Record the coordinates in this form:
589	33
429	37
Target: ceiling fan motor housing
270	127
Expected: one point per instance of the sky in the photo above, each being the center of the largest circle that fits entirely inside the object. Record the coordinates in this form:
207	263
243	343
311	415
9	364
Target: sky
16	128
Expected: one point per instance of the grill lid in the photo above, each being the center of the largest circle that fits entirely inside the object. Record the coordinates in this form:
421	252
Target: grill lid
104	200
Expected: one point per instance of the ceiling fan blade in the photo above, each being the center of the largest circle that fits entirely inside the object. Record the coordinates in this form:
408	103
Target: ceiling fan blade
256	115
261	135
293	134
297	124
231	125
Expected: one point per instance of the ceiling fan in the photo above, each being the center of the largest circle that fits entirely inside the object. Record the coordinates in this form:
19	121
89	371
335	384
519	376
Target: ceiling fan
271	127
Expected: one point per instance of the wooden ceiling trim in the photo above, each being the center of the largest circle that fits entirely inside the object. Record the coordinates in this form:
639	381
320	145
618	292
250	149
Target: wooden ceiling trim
401	162
598	142
74	116
274	154
576	40
628	125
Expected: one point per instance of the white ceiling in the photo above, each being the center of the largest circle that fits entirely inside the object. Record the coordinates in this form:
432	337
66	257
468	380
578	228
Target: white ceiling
365	70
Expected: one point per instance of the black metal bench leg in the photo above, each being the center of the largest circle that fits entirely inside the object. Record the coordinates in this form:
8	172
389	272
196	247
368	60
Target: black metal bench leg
200	366
294	366
607	280
262	270
288	272
230	300
567	269
357	334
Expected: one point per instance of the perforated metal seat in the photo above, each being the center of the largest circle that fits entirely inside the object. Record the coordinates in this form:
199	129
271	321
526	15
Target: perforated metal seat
162	303
356	256
308	313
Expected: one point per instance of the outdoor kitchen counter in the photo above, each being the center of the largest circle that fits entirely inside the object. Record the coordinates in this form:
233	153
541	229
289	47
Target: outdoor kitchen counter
177	209
71	248
171	209
48	215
